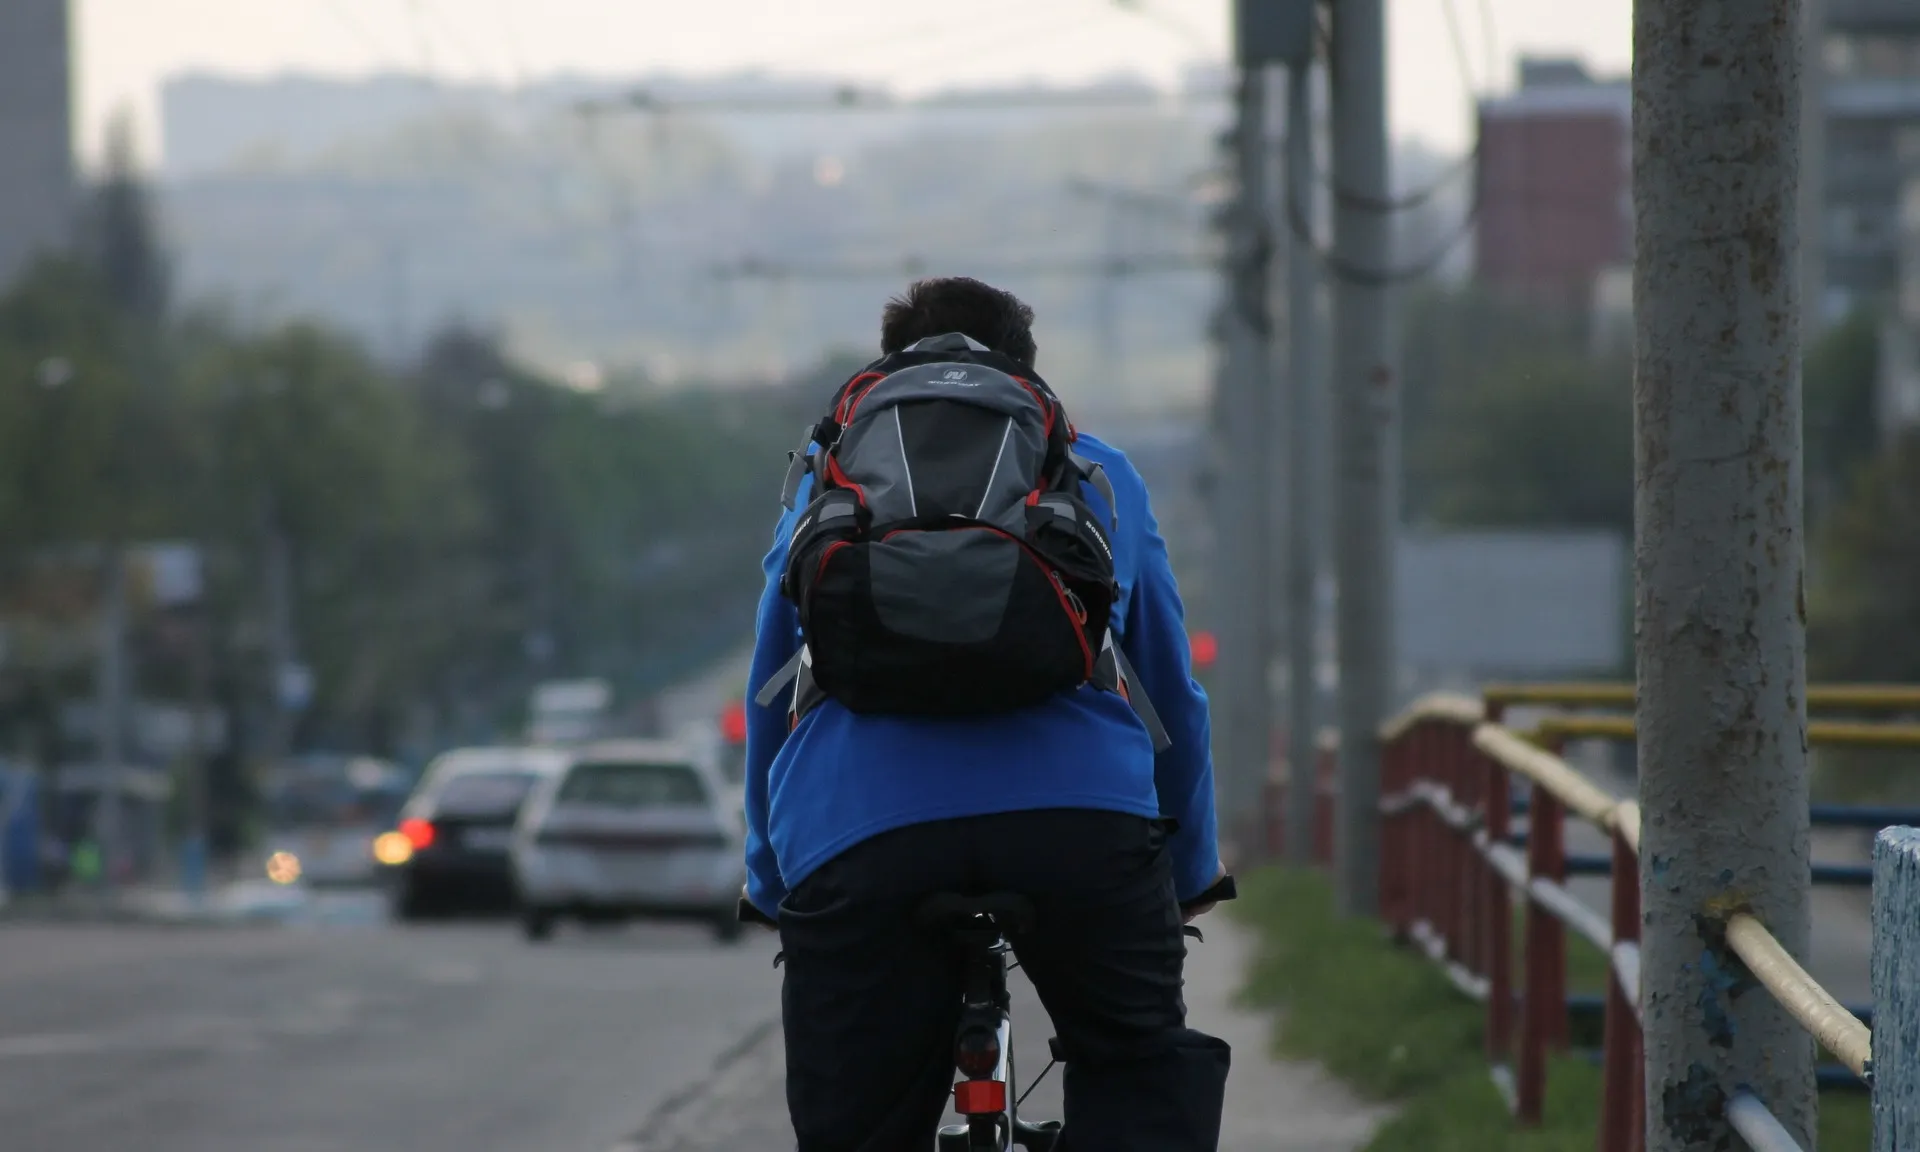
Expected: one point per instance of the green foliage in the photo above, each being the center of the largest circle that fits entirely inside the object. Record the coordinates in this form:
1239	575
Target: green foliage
1387	1022
437	520
1547	442
1513	420
1865	612
1868	597
1510	421
1838	386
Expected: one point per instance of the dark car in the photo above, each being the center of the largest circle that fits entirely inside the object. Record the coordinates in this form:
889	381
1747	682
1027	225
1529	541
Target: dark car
450	851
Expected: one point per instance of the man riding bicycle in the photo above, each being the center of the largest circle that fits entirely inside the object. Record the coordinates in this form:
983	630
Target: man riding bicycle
877	781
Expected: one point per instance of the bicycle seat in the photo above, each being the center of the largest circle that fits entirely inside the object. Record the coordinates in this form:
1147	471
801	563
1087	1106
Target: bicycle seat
1009	911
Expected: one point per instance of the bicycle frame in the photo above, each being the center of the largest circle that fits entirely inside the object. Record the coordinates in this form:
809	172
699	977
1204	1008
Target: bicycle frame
983	1042
986	1096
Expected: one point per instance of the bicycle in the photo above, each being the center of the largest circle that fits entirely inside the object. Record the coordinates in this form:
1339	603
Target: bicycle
984	1092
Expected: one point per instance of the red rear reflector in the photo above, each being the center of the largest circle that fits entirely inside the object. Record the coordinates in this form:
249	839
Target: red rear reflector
977	1097
419	833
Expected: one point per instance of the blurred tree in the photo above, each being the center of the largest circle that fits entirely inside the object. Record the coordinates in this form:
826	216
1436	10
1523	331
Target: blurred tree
1865	622
63	394
301	433
1864	615
1842	426
1542	443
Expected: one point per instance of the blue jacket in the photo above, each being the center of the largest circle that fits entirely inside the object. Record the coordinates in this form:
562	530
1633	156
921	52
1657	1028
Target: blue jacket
841	778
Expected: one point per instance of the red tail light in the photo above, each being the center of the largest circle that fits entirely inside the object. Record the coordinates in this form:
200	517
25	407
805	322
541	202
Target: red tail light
419	833
977	1054
975	1097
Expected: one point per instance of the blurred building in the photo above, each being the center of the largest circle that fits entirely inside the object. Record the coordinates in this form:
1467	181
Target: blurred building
36	131
1473	606
1871	73
1555	175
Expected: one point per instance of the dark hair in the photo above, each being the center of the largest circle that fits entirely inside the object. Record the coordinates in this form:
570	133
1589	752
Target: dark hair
943	304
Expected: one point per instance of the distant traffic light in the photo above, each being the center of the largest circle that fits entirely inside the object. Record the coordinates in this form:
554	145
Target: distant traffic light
1205	649
733	722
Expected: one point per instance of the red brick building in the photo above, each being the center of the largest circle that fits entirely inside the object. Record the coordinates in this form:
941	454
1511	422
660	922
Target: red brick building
1555	184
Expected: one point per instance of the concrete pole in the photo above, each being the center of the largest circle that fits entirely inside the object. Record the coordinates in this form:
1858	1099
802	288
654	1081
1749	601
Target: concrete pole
1305	479
193	845
1365	419
280	650
1720	602
1106	307
1896	988
110	711
1246	544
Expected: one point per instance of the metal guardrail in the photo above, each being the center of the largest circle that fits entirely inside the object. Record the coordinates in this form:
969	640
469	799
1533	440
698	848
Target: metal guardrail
1857	698
1451	866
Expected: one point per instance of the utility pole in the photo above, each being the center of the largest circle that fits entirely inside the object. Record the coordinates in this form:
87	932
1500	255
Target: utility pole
1365	428
1719	606
1106	307
1266	33
1305	477
110	707
280	653
1245	537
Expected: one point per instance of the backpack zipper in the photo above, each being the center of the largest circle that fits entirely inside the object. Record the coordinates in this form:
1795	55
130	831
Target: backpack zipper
1073	601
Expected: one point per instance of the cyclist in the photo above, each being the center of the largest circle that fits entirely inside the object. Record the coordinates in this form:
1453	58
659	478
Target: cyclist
855	818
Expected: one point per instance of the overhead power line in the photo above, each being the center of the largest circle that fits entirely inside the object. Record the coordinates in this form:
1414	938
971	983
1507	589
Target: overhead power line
849	98
1454	171
760	268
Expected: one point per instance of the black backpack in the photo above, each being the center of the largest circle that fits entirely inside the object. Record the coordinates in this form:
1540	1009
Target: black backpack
947	564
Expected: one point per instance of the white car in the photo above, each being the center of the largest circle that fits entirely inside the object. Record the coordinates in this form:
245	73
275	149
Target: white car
631	829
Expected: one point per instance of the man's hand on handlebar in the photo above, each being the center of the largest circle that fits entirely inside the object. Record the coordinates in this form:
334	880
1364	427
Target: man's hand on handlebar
750	914
1222	888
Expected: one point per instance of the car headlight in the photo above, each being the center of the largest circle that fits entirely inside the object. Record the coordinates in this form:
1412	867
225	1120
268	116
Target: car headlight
283	868
392	848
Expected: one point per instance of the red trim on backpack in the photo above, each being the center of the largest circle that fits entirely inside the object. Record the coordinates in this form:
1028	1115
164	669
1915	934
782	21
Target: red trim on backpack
839	477
1045	406
821	568
850	403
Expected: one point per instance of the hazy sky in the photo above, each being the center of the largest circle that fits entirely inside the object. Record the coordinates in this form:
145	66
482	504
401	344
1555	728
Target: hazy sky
127	46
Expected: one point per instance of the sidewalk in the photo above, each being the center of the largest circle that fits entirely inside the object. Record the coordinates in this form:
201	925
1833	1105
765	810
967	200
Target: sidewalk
1271	1106
152	904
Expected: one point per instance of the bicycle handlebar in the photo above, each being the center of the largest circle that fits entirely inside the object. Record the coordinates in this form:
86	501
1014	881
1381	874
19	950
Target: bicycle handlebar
1223	889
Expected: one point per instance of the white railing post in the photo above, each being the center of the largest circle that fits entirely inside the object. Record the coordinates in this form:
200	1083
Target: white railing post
1896	990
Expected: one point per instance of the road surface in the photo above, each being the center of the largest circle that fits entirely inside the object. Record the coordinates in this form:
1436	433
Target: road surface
336	1032
334	1038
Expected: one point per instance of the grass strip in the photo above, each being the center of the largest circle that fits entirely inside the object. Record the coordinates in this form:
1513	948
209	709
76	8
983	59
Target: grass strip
1386	1021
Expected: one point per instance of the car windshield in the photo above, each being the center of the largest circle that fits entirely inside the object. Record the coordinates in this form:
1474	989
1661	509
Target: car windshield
631	785
483	793
330	804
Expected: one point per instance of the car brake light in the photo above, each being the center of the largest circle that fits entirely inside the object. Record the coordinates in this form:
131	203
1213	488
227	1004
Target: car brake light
977	1097
419	833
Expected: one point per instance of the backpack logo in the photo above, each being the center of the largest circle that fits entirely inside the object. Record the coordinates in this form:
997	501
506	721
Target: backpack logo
958	378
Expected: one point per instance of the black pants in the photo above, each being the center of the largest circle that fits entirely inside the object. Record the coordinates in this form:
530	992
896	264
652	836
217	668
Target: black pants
871	1000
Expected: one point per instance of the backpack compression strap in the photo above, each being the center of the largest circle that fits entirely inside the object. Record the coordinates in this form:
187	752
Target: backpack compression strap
1114	672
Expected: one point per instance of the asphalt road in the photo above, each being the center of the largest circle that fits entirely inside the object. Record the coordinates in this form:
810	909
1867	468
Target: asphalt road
336	1037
